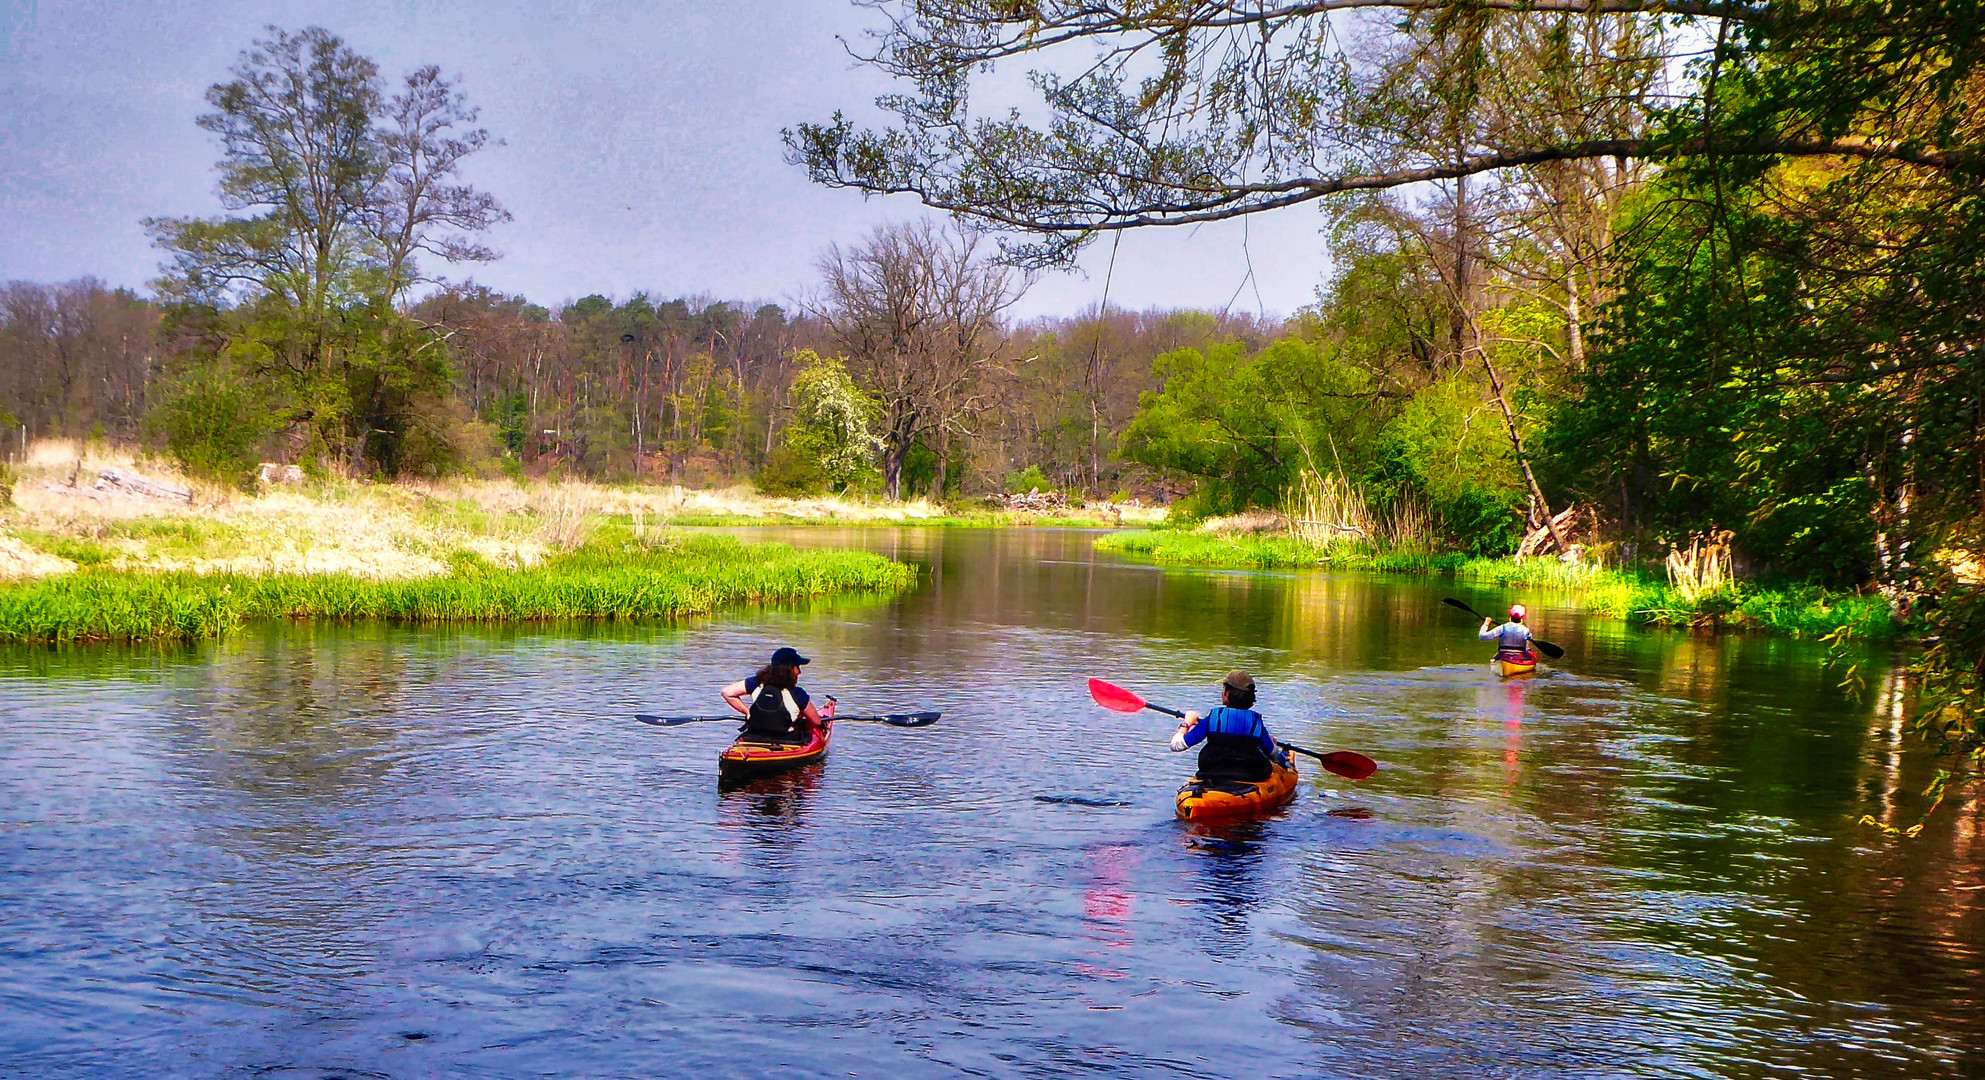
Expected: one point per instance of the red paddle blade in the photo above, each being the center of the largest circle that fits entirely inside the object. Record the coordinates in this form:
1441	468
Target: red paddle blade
1114	698
1348	765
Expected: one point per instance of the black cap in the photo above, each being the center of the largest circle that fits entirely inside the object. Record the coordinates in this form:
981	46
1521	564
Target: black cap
789	656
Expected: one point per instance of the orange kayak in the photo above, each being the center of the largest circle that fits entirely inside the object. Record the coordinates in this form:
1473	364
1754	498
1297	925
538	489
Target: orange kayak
1207	800
747	758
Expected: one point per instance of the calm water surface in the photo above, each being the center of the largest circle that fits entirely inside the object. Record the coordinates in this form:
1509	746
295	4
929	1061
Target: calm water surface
379	852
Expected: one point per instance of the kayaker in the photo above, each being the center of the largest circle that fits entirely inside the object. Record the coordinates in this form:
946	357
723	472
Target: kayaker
1238	745
781	712
1512	638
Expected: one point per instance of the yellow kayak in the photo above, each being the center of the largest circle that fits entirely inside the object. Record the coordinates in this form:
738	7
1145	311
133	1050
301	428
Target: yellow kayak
1507	668
1204	800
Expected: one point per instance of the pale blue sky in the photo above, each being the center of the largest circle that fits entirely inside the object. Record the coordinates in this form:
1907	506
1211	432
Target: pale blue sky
642	145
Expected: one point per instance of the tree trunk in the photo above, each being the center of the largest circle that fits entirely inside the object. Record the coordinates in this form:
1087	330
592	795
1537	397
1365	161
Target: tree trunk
943	463
892	470
1522	459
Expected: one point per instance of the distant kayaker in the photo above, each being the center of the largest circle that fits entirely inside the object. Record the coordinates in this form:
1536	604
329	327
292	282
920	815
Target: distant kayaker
1512	638
780	711
1238	745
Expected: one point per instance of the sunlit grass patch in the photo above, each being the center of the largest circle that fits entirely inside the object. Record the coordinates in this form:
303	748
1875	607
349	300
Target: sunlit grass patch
672	580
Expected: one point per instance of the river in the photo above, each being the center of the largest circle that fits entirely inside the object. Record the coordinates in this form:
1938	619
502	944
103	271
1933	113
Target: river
372	851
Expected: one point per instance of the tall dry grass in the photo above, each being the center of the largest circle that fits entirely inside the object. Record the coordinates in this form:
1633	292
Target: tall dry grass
1326	509
1703	570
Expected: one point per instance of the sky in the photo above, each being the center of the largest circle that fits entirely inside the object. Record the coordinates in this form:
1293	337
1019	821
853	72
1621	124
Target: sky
641	147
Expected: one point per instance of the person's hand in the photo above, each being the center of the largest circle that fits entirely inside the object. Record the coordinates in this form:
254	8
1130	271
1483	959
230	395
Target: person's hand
1190	718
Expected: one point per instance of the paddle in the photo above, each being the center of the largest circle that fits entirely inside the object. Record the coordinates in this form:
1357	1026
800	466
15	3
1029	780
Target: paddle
915	719
1543	646
1344	763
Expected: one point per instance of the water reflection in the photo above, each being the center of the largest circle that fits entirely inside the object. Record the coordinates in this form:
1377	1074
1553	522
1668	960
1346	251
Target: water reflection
289	851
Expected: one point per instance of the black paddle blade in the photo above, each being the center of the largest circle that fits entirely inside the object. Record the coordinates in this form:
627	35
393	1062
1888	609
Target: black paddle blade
1548	649
1452	602
914	719
678	721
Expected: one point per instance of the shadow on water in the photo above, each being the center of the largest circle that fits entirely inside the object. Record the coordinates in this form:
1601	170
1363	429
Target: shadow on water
377	851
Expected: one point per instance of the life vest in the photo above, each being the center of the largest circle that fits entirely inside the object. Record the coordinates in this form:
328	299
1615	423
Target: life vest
773	717
1233	746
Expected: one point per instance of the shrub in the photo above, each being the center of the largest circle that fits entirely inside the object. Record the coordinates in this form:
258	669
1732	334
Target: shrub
791	473
1028	479
213	425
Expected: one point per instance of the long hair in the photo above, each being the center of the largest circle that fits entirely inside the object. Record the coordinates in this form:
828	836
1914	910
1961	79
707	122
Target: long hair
779	676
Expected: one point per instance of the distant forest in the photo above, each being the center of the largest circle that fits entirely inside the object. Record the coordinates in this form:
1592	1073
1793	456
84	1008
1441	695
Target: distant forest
689	391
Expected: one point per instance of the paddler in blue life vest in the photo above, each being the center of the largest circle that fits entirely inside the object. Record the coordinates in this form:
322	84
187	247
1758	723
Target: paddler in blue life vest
1512	638
781	712
1238	745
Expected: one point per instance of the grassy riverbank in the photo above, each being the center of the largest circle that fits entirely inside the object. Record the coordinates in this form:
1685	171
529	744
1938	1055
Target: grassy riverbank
603	580
83	563
1640	597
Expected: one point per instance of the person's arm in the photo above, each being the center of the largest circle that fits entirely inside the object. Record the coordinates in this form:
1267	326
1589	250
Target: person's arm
1268	745
1191	732
1489	631
810	719
734	694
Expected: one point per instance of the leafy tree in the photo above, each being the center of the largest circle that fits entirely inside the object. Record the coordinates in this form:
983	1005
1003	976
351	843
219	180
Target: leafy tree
1175	114
336	187
833	428
1244	425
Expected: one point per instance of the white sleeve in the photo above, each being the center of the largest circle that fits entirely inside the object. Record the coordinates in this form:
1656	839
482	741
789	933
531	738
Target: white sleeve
1178	742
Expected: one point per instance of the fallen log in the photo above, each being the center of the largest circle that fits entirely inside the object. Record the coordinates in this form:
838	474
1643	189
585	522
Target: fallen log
130	483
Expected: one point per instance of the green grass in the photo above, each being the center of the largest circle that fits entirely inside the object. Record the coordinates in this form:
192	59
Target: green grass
1640	597
669	580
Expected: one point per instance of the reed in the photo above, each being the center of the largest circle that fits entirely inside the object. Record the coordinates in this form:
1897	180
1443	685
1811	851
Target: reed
599	582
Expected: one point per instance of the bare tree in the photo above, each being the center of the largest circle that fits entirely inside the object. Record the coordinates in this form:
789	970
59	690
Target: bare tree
420	203
918	312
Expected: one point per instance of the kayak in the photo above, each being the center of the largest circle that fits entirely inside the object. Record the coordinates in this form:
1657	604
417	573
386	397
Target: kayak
747	758
1204	800
1505	666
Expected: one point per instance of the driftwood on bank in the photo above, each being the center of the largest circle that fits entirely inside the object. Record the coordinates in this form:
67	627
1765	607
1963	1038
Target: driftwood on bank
130	483
1544	537
1032	502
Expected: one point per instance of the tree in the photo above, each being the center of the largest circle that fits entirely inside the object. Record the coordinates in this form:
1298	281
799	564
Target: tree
1245	425
833	420
335	188
917	312
1180	113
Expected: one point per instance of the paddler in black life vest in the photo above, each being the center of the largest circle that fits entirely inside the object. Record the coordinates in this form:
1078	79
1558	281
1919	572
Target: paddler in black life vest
781	712
1238	745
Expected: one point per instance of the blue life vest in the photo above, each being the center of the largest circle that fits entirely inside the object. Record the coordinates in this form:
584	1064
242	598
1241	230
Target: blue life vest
1233	746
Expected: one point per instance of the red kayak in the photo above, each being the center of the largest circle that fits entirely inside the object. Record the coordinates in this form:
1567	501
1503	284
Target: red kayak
747	757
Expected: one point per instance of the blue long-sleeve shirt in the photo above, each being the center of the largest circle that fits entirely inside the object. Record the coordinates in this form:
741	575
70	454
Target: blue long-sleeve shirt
1226	721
